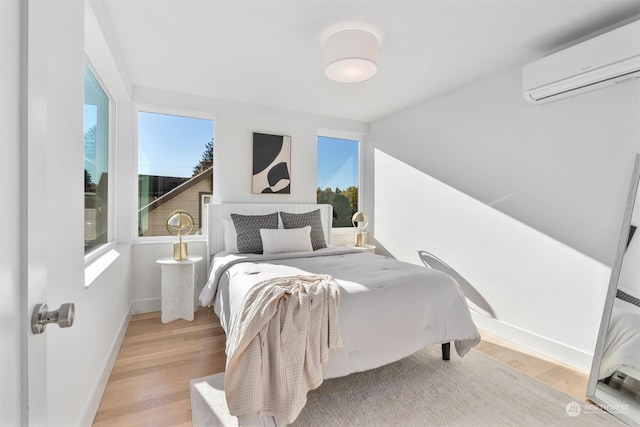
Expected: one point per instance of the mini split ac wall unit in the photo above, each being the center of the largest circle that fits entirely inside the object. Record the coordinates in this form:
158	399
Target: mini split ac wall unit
605	60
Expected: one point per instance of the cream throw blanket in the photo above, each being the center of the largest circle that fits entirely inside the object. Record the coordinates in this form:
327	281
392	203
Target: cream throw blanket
275	354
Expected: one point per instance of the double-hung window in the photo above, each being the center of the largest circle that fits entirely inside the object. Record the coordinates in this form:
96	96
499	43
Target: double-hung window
339	177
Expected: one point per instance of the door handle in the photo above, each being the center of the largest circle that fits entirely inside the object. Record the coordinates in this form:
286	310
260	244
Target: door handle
41	316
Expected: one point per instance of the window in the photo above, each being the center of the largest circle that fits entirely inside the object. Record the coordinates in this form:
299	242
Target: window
96	163
339	177
175	169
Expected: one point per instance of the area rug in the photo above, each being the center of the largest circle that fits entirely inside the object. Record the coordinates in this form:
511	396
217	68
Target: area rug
422	390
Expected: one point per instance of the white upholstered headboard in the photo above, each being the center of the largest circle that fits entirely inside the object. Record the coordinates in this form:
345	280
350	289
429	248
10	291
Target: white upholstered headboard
217	212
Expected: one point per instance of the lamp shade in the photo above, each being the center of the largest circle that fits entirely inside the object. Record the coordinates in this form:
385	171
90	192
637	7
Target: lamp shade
351	56
360	220
179	223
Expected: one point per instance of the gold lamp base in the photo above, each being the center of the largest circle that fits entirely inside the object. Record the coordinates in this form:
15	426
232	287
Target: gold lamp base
180	251
361	239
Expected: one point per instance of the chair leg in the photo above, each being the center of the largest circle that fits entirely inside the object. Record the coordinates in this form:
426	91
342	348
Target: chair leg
446	351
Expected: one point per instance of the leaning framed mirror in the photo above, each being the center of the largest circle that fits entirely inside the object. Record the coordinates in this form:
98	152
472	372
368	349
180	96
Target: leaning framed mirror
614	382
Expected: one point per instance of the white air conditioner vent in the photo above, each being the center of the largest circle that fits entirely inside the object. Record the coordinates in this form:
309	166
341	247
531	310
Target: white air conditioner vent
605	60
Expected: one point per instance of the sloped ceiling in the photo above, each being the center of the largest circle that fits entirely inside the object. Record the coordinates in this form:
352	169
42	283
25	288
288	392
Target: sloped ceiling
271	52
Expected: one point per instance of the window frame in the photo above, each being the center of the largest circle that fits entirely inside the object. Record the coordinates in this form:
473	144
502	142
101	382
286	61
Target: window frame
99	251
351	136
150	108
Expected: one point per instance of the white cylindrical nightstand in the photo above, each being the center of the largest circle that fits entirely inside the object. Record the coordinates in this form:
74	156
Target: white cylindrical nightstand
178	288
368	248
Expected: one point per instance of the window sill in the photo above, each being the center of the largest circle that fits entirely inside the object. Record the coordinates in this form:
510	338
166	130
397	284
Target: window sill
168	239
99	265
97	253
344	230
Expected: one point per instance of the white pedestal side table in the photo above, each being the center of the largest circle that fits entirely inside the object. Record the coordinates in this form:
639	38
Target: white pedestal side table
178	280
368	248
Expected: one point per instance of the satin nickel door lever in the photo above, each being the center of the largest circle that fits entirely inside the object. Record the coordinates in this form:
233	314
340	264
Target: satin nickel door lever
41	316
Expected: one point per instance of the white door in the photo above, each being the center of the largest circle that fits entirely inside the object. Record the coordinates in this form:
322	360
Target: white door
22	263
37	104
52	211
12	296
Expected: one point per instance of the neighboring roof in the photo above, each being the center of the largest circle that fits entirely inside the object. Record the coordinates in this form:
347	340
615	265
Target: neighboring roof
207	173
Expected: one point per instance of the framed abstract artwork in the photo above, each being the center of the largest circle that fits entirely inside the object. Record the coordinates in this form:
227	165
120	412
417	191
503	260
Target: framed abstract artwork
271	164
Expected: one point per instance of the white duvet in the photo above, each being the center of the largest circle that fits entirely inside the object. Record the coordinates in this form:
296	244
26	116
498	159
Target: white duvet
388	309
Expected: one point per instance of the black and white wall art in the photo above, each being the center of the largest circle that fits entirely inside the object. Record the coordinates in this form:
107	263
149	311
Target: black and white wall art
271	164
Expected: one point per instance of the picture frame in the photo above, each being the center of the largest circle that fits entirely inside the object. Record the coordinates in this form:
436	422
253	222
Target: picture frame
271	172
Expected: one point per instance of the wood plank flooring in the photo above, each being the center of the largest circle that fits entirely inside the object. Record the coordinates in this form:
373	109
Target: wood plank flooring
562	377
149	384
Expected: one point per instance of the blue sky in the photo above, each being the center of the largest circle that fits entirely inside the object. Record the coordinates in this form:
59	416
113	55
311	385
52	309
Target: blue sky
337	163
173	145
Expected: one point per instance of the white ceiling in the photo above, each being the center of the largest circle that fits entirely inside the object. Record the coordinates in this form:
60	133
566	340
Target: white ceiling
270	52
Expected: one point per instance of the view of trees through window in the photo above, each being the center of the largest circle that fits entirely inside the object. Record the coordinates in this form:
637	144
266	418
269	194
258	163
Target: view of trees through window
96	162
339	177
175	169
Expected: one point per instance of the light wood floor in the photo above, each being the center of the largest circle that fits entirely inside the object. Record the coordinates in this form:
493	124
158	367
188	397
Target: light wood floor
149	385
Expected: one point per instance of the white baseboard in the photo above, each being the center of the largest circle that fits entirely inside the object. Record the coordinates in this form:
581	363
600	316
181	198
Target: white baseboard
146	305
560	352
91	408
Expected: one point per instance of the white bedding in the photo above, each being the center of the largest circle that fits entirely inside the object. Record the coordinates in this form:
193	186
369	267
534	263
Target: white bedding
622	345
388	309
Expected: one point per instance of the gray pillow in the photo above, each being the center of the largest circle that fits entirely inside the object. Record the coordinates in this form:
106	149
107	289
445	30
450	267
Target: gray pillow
248	230
291	220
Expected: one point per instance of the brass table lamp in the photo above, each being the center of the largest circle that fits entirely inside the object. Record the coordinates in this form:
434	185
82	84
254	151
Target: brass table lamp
179	223
360	220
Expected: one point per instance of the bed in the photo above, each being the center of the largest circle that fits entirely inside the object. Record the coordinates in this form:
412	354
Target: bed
388	309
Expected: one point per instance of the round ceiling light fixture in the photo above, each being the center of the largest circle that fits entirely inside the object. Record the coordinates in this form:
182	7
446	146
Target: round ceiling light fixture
351	56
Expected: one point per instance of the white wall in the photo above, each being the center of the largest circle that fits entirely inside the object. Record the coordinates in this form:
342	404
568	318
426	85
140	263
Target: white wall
12	305
525	201
234	124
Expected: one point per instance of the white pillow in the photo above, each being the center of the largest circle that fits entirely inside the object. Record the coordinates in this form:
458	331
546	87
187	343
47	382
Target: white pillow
275	241
230	236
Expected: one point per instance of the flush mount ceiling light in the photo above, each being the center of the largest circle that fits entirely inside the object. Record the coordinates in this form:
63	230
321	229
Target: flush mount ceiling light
351	56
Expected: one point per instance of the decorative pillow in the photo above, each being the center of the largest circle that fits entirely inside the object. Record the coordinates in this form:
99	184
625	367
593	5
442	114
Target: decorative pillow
248	230
291	240
230	236
291	220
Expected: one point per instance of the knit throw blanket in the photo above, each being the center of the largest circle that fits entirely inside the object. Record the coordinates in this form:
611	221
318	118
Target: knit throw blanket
275	354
